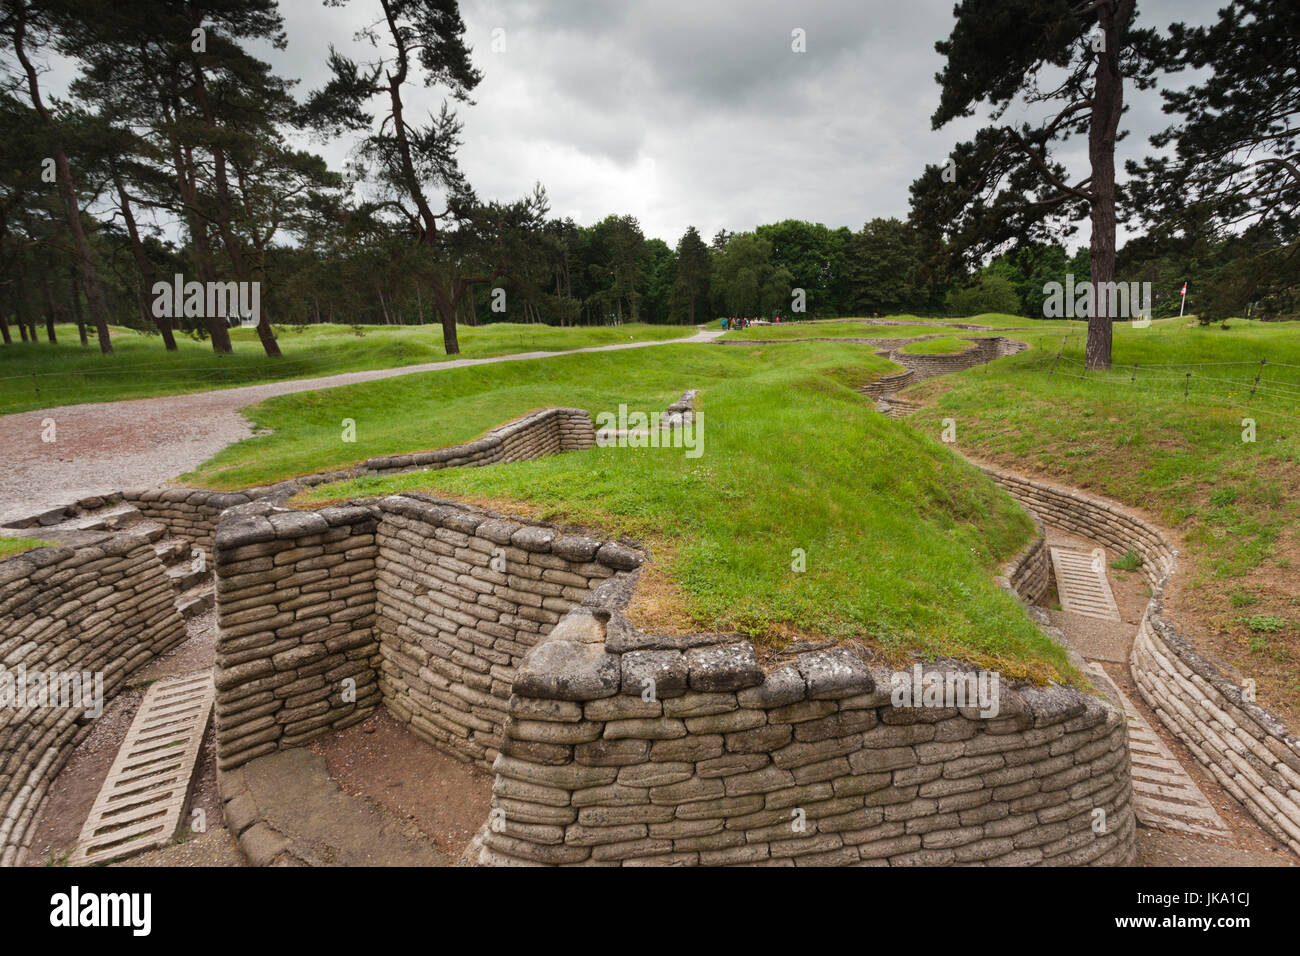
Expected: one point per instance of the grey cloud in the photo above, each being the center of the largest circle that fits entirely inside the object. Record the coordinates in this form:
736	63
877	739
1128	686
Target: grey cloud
697	112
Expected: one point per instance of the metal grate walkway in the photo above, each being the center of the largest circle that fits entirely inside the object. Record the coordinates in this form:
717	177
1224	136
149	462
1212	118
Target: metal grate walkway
1082	585
139	807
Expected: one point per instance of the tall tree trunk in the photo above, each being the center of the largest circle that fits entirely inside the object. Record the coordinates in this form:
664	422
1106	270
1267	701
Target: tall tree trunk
195	219
76	307
63	173
148	275
266	335
21	310
4	319
447	315
49	310
198	229
1107	106
234	247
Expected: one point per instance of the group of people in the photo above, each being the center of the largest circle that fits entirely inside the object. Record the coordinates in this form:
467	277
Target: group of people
734	323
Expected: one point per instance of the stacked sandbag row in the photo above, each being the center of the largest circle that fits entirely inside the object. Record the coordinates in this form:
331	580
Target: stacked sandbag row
630	749
296	649
85	616
463	596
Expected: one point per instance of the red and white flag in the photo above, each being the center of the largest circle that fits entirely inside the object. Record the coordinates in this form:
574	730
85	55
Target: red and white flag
1184	292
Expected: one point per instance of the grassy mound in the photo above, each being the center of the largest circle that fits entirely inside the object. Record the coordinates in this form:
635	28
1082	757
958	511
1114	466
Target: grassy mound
1164	431
944	346
900	537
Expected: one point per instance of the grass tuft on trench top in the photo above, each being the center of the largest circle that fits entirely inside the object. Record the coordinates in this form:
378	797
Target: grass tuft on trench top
11	546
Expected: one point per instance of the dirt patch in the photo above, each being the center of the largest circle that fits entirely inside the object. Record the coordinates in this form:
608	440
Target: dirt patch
1205	615
447	798
1155	848
214	848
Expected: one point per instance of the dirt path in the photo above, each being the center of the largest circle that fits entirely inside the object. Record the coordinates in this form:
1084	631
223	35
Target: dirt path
109	446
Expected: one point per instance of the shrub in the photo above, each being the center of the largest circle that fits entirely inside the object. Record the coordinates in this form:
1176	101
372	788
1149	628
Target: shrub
1266	623
992	293
1131	561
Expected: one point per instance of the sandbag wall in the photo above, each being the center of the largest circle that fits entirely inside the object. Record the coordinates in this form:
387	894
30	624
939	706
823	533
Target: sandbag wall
801	762
983	350
462	597
296	646
192	513
1247	749
101	604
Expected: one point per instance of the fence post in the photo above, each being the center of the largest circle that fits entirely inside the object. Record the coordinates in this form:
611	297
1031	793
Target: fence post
1058	357
1257	375
1187	384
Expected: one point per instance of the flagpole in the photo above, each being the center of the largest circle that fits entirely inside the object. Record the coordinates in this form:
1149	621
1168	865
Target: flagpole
1183	305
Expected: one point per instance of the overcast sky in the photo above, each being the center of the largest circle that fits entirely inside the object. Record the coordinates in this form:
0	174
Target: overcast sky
698	112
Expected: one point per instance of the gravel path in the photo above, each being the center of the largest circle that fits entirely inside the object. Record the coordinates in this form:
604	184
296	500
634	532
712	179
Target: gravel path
109	446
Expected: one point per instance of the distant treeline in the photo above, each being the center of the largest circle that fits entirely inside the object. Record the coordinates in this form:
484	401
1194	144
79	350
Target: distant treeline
174	154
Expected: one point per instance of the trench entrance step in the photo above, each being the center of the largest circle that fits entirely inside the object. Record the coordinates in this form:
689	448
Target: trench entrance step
1164	795
896	407
113	518
1082	585
140	804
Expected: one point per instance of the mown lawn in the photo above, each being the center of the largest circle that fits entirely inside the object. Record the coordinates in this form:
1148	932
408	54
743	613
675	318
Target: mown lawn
942	346
41	375
861	328
1149	434
901	537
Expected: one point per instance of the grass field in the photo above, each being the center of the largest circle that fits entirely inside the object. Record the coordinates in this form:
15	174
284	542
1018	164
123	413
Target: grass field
901	536
11	546
942	346
911	326
831	330
1132	434
41	375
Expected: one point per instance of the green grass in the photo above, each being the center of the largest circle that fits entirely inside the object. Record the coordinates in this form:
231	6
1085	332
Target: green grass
11	546
862	328
901	536
1130	434
831	330
911	327
1265	623
943	346
1129	561
41	375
